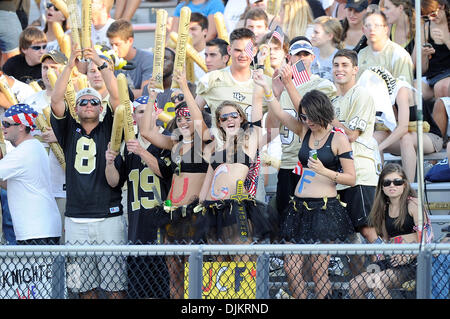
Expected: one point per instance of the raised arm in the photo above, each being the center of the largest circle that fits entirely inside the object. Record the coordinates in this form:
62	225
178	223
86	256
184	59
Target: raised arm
57	99
149	130
275	108
196	113
107	75
286	78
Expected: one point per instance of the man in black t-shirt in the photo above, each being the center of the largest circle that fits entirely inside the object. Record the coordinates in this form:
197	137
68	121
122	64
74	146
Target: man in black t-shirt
93	209
26	66
146	170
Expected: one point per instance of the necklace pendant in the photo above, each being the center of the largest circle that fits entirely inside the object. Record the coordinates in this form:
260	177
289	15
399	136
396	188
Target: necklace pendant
316	143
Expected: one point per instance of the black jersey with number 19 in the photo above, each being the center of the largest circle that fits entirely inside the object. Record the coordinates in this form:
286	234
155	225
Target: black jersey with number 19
88	193
146	190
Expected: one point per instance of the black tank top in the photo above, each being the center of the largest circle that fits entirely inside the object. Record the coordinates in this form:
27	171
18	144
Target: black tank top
221	157
325	153
190	162
440	60
393	230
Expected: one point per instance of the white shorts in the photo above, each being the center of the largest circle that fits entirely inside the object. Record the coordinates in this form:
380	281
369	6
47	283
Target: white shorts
104	271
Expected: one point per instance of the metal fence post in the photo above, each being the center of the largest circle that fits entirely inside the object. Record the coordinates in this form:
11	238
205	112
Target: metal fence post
58	278
423	282
195	274
262	277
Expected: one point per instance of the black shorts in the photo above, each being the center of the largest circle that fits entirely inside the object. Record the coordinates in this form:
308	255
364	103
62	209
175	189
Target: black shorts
359	200
287	181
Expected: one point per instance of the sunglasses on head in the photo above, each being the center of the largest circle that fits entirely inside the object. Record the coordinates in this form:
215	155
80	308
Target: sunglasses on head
397	182
224	117
84	102
8	124
38	47
49	5
179	97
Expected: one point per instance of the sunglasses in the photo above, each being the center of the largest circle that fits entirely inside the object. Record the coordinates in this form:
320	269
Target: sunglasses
49	5
397	182
224	117
84	102
303	117
179	97
38	47
8	124
431	15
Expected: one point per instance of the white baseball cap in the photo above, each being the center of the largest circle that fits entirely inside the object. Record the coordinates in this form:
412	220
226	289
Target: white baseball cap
88	91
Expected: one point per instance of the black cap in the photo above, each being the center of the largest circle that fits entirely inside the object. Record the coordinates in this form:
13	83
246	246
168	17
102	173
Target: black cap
358	5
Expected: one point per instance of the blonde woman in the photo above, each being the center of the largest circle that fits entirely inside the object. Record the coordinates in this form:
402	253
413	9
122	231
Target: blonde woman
326	40
296	18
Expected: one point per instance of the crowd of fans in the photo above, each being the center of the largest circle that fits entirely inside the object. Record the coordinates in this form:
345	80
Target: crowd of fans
309	98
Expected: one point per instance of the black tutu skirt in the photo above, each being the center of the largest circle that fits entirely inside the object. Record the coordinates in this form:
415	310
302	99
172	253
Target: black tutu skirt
231	222
178	223
312	220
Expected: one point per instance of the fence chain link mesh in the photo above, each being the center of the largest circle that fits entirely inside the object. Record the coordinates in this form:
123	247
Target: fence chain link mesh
252	271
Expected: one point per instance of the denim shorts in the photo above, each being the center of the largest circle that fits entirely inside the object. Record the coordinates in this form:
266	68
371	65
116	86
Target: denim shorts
10	29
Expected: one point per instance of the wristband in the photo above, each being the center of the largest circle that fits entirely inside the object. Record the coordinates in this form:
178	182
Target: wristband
103	66
335	178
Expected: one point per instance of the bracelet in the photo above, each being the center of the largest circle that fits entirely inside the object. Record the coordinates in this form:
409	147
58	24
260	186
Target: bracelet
269	100
335	178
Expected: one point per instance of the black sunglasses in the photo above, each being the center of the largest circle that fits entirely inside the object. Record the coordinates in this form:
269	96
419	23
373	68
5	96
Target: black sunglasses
397	182
224	117
303	117
179	97
84	102
49	5
8	124
38	47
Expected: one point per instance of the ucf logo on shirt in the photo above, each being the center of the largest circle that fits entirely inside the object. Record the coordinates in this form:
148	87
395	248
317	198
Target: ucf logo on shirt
238	96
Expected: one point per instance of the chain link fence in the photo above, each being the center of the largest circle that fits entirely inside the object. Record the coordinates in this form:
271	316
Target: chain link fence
262	271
